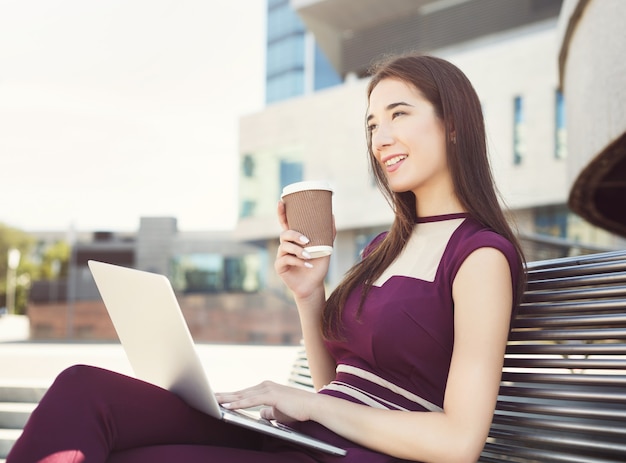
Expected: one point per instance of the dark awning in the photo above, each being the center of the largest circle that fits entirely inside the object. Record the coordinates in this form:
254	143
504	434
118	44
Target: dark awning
599	192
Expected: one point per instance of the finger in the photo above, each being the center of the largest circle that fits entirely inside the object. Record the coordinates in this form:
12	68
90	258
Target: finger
267	413
227	397
258	389
234	403
292	236
286	262
291	249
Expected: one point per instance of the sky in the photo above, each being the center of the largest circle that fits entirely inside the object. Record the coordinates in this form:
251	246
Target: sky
120	109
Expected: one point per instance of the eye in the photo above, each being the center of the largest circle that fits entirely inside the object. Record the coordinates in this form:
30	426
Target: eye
397	113
371	127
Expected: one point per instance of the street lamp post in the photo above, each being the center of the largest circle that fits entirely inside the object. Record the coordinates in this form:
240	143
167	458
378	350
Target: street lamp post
13	261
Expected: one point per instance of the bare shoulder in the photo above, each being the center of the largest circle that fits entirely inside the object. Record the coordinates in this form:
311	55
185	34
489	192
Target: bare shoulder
486	259
484	279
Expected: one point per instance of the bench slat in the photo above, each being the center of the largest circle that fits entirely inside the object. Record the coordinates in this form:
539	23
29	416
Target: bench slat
600	257
540	422
565	444
612	266
575	294
567	349
599	334
584	381
576	281
556	392
577	307
521	454
558	440
611	319
566	363
555	408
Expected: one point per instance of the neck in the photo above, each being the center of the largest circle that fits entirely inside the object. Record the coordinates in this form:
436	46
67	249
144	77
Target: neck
438	206
437	198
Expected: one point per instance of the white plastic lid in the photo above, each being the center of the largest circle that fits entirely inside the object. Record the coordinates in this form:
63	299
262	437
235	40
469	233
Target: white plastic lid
307	185
319	251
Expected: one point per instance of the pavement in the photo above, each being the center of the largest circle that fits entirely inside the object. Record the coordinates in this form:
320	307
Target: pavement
229	367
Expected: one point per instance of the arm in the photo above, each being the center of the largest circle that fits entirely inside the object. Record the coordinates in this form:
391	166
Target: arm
305	278
321	364
482	292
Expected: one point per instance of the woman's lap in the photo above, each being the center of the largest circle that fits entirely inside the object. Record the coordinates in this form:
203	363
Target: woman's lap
97	413
204	454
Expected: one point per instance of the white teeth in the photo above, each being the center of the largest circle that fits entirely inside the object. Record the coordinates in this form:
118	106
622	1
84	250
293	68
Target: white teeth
392	161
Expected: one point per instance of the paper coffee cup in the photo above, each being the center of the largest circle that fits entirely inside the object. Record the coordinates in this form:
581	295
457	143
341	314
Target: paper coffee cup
308	206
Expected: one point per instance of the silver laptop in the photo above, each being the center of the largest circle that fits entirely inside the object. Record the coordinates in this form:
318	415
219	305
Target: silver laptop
151	327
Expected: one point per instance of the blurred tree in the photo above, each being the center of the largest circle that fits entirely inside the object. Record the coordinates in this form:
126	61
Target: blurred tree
12	238
54	262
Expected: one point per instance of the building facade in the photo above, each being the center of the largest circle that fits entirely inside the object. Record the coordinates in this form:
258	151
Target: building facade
508	50
218	283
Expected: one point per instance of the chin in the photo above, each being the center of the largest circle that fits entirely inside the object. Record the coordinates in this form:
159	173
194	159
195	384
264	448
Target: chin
400	188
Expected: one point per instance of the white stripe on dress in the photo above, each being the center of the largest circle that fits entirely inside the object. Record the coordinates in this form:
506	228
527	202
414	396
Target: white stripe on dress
363	396
366	397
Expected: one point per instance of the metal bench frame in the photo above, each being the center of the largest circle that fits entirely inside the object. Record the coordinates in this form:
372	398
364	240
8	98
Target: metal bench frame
563	392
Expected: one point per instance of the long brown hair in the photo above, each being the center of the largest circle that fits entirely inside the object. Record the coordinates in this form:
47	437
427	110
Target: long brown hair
457	105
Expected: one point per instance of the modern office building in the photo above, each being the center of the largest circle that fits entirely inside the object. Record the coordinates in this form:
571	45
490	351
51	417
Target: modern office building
295	64
509	50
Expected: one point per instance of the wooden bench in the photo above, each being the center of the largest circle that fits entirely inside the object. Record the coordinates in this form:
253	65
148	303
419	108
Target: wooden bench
563	390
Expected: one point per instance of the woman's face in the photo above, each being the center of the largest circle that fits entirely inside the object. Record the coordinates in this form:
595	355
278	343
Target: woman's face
408	139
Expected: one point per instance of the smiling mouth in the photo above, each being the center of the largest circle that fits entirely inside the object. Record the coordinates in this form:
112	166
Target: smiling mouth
395	160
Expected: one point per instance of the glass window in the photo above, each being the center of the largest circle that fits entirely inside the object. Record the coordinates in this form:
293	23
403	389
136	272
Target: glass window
198	273
285	86
211	273
248	208
519	130
560	132
242	273
285	52
551	221
248	165
325	74
282	21
286	55
290	172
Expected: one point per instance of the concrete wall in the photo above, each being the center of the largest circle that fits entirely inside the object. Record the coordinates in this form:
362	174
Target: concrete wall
520	63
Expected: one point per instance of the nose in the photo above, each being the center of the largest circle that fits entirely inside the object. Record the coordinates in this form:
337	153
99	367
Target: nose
382	137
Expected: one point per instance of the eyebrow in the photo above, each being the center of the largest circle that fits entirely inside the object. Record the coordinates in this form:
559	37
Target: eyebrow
389	107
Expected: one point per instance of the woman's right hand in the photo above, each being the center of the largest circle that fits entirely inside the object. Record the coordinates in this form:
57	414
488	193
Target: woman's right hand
302	275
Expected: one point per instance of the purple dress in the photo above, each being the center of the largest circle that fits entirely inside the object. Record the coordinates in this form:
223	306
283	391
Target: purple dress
395	356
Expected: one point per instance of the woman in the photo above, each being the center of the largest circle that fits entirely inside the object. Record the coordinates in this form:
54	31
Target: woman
406	353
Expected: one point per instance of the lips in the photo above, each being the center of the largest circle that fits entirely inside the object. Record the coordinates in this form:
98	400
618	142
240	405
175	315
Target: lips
394	160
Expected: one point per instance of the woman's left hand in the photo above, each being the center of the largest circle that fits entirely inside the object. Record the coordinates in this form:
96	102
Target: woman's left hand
282	403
